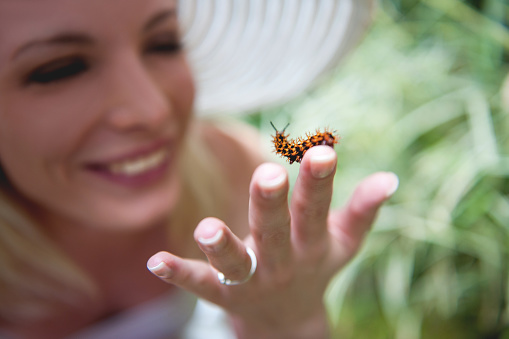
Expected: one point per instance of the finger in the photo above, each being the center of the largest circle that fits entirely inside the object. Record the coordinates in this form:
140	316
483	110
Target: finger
269	217
195	276
224	250
312	195
350	224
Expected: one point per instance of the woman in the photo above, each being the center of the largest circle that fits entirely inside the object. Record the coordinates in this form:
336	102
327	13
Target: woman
103	166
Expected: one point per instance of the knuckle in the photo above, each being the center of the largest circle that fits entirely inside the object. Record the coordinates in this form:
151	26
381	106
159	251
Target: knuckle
315	255
359	213
275	238
283	279
310	209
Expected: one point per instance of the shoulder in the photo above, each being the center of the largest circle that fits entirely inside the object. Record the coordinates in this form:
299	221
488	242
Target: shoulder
234	143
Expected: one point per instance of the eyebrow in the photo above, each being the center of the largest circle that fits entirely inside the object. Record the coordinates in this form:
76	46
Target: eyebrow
77	38
159	18
60	39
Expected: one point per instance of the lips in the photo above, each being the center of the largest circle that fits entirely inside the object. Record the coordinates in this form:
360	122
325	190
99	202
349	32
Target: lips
136	168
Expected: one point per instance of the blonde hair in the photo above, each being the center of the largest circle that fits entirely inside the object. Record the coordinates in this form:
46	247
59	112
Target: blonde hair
35	275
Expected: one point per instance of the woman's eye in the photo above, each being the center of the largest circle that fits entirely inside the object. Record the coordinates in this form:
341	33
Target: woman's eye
170	47
57	70
165	43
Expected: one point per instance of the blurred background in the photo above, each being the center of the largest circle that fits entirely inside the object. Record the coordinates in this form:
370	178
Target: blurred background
422	96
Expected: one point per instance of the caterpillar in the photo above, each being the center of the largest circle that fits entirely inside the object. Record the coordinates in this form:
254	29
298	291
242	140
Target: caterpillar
294	149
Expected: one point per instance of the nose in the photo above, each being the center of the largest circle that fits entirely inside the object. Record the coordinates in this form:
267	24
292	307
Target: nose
136	101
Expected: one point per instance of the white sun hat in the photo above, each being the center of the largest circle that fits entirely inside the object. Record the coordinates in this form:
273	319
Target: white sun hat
252	54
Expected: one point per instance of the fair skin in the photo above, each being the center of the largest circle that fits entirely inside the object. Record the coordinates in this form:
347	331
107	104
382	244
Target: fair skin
95	100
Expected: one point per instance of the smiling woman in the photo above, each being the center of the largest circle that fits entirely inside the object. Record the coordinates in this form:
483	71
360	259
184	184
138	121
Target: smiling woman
103	165
101	122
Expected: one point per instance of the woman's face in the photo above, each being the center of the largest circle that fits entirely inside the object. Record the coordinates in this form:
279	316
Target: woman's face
95	97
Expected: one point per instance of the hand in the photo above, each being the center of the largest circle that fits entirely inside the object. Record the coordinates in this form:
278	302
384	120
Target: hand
299	249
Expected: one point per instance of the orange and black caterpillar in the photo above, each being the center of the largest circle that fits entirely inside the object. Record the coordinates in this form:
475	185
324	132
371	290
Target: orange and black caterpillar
294	149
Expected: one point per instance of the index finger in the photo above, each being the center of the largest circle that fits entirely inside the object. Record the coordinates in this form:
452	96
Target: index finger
312	195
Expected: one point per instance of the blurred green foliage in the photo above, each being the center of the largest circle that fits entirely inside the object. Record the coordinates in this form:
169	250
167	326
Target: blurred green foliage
422	97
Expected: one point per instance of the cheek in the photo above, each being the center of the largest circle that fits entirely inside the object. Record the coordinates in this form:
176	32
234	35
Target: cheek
38	133
188	88
180	87
27	159
26	140
36	138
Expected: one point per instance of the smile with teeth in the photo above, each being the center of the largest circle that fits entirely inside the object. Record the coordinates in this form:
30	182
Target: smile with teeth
139	165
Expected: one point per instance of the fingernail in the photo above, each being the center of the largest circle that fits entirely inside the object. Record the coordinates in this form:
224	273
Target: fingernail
394	184
271	186
212	242
322	165
161	269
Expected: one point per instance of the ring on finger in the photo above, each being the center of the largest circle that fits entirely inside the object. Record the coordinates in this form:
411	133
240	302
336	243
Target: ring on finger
254	263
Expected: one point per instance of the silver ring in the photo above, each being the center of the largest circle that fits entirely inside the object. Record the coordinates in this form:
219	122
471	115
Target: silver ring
223	280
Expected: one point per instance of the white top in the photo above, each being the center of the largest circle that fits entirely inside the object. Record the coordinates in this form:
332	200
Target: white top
172	316
164	317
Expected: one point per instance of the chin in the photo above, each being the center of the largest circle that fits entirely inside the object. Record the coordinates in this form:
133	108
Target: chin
136	209
138	219
143	213
129	211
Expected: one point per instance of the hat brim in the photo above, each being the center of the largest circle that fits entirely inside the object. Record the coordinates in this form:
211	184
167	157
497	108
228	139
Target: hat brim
250	54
